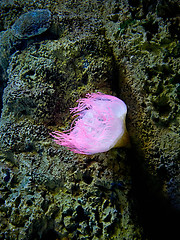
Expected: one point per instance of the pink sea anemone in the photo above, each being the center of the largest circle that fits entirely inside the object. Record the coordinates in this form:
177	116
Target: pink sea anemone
99	125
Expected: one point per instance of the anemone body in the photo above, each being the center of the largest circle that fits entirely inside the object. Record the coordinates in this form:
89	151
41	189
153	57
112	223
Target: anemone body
99	125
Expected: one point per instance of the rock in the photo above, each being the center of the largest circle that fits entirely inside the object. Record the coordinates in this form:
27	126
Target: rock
126	49
32	23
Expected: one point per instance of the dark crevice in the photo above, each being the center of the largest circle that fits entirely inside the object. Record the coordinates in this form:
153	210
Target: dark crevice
155	213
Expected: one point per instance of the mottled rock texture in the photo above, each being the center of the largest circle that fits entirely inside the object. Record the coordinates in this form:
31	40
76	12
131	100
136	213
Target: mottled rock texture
27	26
129	49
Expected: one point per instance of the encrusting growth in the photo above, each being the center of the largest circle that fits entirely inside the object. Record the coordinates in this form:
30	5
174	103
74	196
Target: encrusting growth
99	125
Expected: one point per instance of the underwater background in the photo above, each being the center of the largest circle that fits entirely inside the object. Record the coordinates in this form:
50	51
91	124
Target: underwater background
51	54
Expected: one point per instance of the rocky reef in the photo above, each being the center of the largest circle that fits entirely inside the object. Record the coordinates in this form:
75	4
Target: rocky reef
129	49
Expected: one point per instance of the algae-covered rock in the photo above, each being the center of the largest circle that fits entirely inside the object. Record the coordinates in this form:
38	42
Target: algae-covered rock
129	49
15	38
146	46
38	78
55	191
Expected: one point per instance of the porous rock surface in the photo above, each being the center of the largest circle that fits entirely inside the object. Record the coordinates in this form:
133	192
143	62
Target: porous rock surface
126	48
